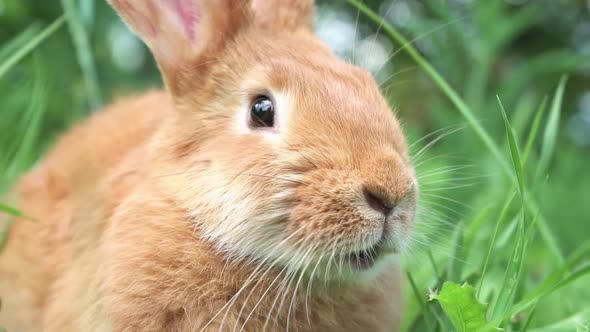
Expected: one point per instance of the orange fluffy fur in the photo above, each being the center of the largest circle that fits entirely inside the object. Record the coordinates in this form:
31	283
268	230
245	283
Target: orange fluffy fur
160	212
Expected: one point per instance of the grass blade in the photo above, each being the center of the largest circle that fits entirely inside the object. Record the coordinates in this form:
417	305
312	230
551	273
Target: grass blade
512	276
533	131
576	322
4	233
550	134
11	211
529	319
421	301
514	153
17	42
32	118
31	45
515	266
580	272
500	221
472	229
83	51
552	282
454	266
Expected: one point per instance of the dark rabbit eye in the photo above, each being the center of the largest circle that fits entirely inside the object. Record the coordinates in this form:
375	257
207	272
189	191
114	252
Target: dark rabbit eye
262	112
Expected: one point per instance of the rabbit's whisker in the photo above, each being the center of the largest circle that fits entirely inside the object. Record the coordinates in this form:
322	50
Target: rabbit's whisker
421	152
259	281
419	37
395	74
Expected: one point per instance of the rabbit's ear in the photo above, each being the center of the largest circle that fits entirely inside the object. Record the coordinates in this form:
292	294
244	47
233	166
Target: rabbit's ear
183	33
284	15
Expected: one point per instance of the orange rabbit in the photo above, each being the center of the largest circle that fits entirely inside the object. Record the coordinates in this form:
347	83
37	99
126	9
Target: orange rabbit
267	189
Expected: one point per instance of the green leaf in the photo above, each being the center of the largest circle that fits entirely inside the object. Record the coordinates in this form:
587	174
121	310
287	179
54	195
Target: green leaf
460	305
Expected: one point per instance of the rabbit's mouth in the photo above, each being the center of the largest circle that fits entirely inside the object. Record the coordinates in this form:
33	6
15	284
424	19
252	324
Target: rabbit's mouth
366	259
363	260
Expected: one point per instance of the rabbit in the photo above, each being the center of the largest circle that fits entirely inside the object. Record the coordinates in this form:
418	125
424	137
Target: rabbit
266	187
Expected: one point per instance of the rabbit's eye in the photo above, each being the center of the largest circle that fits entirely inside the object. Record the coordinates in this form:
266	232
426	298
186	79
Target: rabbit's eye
262	112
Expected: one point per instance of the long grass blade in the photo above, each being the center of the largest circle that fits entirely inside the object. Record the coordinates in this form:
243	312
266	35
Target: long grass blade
529	319
4	231
454	266
514	152
576	322
11	211
17	42
550	134
421	302
533	131
30	46
553	281
83	51
32	119
515	266
492	245
473	228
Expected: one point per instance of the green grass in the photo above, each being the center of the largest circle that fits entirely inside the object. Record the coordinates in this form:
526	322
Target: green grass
504	204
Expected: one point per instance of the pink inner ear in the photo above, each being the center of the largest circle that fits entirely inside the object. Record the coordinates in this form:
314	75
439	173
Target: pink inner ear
188	14
138	18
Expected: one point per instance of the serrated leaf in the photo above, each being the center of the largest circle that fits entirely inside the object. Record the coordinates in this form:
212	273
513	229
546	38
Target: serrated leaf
465	312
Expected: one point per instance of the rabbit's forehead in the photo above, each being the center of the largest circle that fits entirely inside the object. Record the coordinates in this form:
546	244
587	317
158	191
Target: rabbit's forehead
323	82
319	94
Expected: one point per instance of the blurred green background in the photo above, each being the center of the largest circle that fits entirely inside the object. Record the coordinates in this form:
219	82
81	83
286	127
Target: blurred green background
516	50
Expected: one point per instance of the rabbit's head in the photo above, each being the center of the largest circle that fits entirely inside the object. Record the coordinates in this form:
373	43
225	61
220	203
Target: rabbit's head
280	151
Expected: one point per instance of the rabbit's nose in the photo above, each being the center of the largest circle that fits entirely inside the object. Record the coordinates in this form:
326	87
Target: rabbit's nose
378	201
